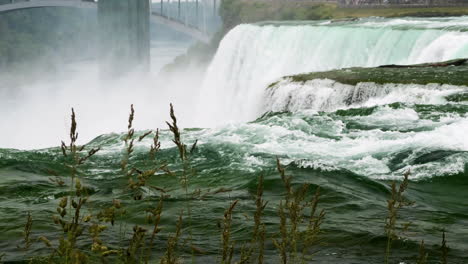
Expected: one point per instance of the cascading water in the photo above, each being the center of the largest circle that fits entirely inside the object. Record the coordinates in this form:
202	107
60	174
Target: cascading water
328	95
251	57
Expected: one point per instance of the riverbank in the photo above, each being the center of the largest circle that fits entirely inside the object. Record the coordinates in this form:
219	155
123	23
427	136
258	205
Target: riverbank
234	12
399	12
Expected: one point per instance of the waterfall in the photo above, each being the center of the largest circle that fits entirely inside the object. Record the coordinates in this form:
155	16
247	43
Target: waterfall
328	95
251	56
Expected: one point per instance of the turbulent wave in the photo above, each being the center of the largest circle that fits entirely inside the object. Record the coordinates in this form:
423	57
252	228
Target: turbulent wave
250	57
378	142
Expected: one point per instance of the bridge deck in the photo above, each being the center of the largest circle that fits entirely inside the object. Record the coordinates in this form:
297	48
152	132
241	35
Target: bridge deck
15	5
158	18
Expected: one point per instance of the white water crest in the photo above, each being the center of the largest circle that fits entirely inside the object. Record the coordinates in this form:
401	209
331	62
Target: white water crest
325	141
329	95
250	57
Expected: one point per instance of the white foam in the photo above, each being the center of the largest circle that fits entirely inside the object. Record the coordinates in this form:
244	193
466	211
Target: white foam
321	141
328	95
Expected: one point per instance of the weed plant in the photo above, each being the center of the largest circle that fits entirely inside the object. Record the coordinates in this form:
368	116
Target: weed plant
444	250
228	245
296	241
396	202
257	244
300	220
422	258
27	233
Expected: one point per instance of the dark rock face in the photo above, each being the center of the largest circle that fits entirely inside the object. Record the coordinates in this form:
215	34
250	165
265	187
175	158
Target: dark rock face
454	72
457	62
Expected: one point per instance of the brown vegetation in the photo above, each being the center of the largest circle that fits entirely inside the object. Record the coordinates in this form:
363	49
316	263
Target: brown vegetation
80	239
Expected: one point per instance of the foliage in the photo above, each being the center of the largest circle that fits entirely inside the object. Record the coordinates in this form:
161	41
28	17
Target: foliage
396	202
422	258
296	239
296	232
235	12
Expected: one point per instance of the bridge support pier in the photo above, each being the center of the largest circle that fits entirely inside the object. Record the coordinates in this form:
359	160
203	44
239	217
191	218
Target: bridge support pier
124	36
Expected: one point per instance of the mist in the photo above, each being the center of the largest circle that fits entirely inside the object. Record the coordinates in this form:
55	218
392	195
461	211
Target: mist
36	96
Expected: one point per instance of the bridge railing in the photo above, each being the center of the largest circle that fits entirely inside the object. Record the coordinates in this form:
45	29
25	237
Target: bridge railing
197	14
198	18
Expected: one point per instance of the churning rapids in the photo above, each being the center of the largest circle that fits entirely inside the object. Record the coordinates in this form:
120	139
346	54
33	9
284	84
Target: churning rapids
349	139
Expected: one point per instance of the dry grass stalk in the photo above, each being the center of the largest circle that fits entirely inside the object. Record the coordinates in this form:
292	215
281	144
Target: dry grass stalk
130	118
27	232
106	215
259	227
394	205
111	213
72	151
128	140
135	185
295	209
286	180
181	147
176	132
312	233
228	246
170	256
69	209
46	241
444	250
136	243
282	245
57	180
73	226
155	219
202	194
186	171
72	229
257	244
156	146
95	231
88	155
291	214
140	138
141	176
422	258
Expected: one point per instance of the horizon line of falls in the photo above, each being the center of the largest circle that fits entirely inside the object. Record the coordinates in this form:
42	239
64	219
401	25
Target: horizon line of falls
252	56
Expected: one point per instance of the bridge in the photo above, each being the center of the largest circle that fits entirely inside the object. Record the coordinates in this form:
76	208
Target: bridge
124	25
